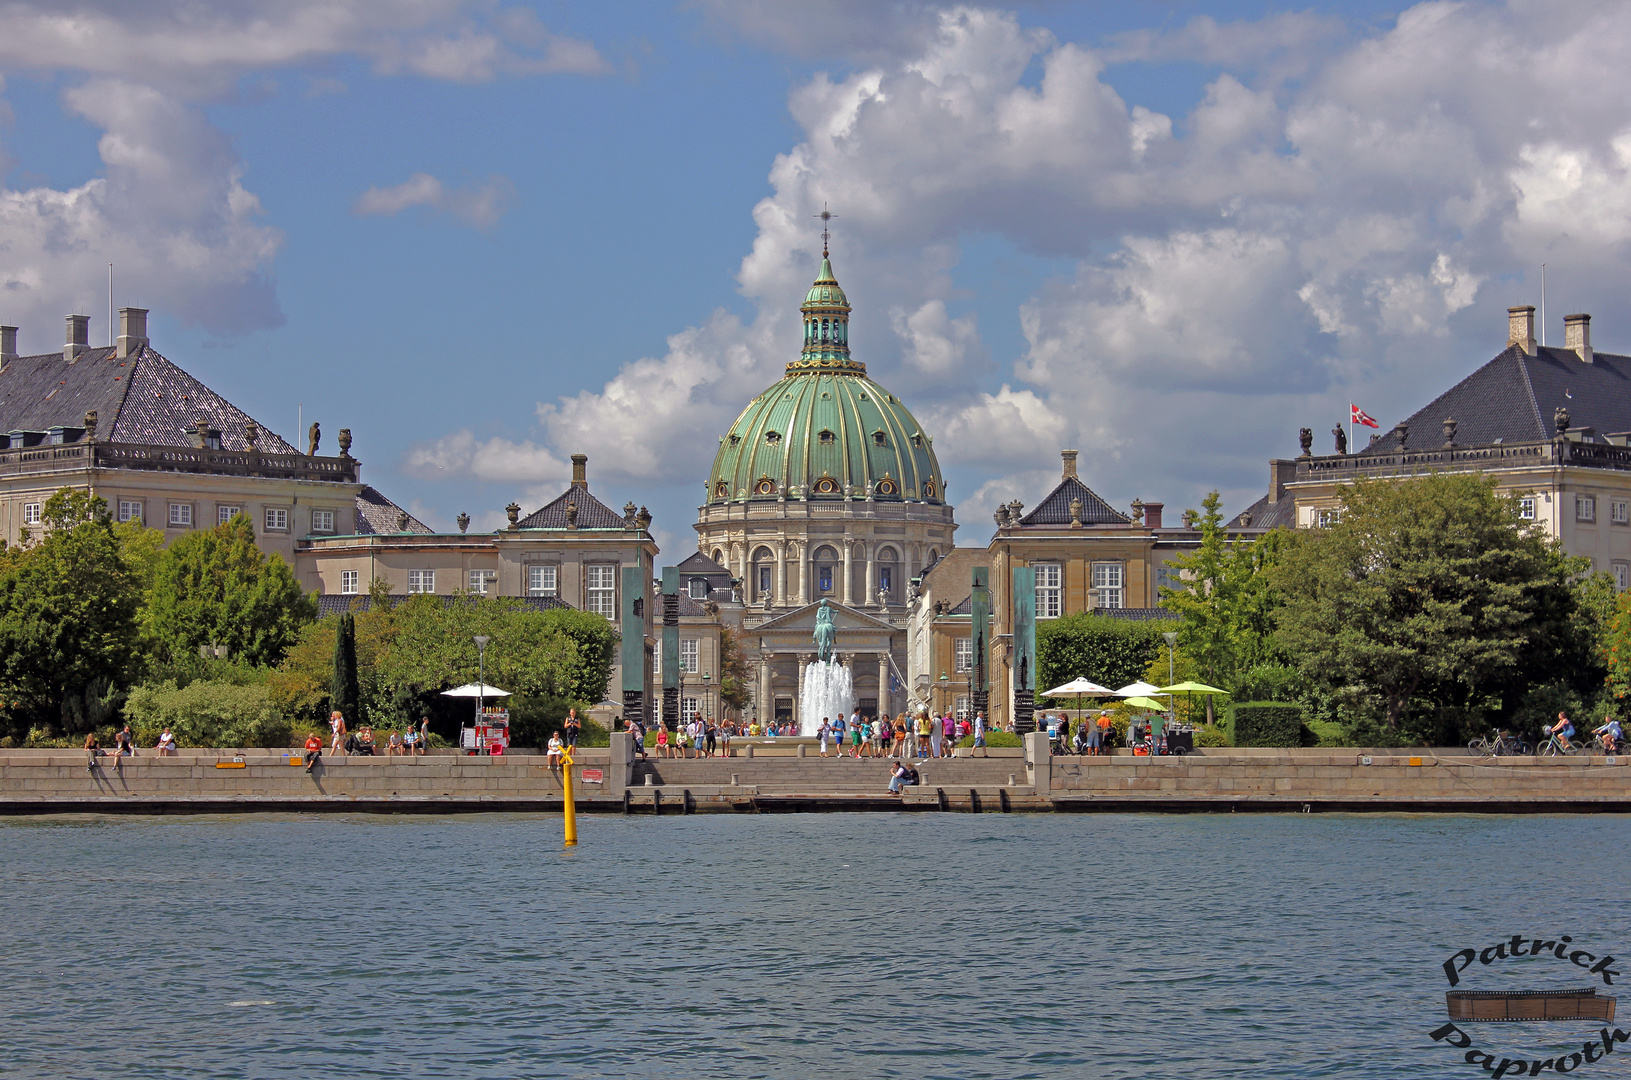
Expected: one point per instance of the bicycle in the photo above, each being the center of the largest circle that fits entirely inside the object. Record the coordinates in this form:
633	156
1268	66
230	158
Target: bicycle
1555	747
1500	744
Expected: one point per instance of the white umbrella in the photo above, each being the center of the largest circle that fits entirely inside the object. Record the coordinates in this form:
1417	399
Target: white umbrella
475	689
1080	687
1138	689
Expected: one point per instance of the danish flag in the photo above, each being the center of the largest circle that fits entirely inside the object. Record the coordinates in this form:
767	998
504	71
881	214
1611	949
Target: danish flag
1356	415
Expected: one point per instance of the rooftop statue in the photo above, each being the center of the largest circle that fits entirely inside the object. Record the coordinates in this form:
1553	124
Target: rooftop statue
825	633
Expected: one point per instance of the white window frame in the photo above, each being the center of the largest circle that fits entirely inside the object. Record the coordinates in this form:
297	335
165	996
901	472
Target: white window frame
224	513
1585	509
690	653
543	579
1622	574
34	513
1327	517
477	581
1619	512
277	519
600	589
697	588
1050	590
181	515
689	707
1526	508
962	653
1109	585
322	521
961	707
421	581
132	510
349	580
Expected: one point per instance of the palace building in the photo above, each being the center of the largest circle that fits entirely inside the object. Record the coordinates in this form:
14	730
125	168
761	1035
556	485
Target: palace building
825	488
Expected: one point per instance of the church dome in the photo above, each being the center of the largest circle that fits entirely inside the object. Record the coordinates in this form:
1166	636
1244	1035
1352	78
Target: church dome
825	431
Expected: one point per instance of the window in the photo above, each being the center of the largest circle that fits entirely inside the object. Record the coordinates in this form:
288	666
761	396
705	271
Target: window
130	510
1585	508
688	709
1107	585
322	521
348	582
478	581
886	580
541	580
1622	575
699	588
1526	508
824	578
181	514
603	590
764	582
421	581
33	512
1619	512
277	519
1327	518
224	514
688	655
1049	590
962	707
963	654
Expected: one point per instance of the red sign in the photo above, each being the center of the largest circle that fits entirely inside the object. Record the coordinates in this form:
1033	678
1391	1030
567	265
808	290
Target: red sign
593	776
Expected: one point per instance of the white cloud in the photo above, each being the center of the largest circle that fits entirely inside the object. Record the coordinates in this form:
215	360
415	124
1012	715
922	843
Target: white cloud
936	344
496	459
479	207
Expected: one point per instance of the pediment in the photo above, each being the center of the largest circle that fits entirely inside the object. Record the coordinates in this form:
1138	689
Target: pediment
844	618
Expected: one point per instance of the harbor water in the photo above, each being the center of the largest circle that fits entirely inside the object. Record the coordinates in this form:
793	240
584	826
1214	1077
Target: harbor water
817	946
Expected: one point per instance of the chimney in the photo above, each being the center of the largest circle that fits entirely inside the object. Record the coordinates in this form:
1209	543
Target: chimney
1152	515
1577	335
580	470
132	330
1069	457
1281	473
79	337
8	345
1520	327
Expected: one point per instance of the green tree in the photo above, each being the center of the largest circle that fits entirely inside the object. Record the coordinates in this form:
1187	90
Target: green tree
68	611
1112	652
217	587
734	678
344	691
1226	603
1431	589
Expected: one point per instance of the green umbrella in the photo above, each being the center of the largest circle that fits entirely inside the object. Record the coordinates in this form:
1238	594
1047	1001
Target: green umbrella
1192	688
1145	703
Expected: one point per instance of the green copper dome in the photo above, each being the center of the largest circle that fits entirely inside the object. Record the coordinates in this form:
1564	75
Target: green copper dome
825	431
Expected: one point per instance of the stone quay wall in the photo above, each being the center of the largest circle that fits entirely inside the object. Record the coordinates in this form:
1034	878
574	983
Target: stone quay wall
613	780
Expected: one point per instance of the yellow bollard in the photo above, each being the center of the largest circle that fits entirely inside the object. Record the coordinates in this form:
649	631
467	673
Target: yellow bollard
569	812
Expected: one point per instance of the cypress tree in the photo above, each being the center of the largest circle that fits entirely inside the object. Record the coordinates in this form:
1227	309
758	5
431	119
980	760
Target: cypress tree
344	692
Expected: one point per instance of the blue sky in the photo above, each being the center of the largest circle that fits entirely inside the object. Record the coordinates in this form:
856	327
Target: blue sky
485	235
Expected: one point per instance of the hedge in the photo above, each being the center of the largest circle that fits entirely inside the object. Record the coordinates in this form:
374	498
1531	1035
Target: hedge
1112	652
1267	723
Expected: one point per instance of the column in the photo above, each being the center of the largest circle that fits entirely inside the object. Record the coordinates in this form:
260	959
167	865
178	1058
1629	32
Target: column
804	572
767	690
779	585
883	684
871	598
847	593
742	569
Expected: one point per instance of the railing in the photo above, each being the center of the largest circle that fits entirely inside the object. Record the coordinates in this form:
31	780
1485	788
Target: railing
40	459
1370	462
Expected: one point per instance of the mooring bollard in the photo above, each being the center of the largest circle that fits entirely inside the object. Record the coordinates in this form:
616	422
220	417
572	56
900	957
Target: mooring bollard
801	750
734	781
749	750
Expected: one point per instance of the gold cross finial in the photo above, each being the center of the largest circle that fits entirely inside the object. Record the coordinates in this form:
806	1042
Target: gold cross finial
825	216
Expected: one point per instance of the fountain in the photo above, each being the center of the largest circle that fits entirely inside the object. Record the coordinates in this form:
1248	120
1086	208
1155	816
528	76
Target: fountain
829	688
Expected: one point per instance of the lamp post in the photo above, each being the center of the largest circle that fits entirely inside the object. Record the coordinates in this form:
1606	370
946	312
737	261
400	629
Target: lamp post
945	687
707	707
481	667
1172	643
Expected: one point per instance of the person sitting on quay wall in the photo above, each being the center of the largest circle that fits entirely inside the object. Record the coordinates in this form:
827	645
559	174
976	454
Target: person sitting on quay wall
124	745
93	750
899	777
553	757
167	744
314	750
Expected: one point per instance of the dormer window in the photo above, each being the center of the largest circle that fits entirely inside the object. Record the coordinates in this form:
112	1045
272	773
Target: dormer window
735	438
878	437
773	437
886	486
826	486
722	490
917	438
826	437
765	486
928	489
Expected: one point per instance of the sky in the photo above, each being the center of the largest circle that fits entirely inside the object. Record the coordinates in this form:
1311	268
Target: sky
485	235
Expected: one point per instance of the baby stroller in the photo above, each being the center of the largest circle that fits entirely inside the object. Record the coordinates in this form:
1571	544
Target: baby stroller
354	745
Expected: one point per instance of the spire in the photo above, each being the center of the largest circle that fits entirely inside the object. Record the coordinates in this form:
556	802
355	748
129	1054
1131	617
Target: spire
826	318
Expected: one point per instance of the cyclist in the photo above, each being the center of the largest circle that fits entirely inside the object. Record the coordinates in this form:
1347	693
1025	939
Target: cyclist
1562	729
1610	731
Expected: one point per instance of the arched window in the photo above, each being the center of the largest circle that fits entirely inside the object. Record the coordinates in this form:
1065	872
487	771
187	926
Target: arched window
886	573
824	559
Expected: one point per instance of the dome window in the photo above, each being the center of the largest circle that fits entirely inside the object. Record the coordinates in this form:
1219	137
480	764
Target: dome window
825	436
826	486
765	486
879	438
886	486
917	438
928	489
722	490
773	437
735	438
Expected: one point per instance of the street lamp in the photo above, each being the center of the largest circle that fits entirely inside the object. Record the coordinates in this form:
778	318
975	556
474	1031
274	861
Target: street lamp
481	666
707	709
1172	642
945	687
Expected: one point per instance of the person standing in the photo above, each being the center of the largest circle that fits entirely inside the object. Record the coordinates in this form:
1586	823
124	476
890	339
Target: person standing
949	733
572	728
424	735
713	736
923	725
336	723
979	729
934	737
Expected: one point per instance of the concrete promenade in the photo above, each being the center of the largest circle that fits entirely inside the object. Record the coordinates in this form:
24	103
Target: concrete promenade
780	781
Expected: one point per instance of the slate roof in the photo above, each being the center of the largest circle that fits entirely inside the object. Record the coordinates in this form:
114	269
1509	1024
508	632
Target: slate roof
1514	396
1266	515
1055	508
377	515
592	513
143	398
697	565
331	604
691	609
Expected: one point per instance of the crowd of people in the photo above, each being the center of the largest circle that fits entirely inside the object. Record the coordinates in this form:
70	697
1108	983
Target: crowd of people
855	736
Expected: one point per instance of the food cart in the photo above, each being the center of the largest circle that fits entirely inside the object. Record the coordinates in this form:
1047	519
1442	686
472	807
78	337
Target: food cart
490	734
